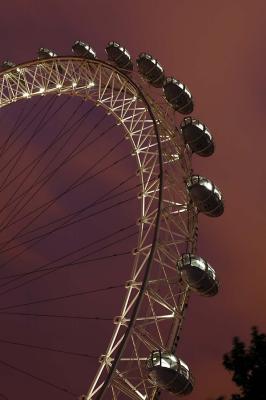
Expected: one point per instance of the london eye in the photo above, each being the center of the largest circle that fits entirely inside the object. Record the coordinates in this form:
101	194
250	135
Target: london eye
99	223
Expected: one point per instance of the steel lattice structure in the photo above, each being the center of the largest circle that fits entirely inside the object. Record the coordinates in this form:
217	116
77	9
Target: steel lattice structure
155	297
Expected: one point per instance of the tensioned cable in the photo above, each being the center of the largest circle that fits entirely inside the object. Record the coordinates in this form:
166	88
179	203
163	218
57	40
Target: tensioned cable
13	129
18	156
69	217
55	140
77	124
21	151
93	214
51	349
75	183
17	123
58	298
45	109
58	316
72	263
44	267
45	235
36	161
72	186
102	199
78	261
90	244
112	234
37	378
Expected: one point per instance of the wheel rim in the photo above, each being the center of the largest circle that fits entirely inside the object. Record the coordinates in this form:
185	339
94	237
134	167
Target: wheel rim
167	223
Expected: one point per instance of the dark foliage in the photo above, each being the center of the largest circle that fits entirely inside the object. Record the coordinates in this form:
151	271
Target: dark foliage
248	367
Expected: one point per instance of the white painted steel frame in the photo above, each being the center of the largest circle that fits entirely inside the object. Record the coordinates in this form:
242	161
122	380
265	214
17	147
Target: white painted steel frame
155	298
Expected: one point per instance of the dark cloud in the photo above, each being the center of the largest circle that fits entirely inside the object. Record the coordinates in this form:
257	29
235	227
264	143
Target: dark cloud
218	49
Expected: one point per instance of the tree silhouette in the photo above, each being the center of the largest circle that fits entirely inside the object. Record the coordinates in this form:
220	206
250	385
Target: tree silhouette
248	366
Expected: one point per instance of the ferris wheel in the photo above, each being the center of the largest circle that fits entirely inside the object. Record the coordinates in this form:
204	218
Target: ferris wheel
126	183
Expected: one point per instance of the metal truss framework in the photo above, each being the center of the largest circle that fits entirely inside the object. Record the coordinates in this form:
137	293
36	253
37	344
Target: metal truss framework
155	297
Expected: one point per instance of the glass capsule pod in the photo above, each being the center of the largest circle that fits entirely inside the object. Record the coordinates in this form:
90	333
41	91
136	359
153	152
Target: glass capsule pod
81	49
151	70
6	65
198	274
197	136
205	195
119	55
44	53
178	95
170	373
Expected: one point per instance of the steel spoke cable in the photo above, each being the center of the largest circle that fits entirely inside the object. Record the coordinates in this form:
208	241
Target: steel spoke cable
16	158
12	157
35	162
59	298
74	252
43	181
67	219
83	256
64	225
66	255
45	348
45	235
37	378
12	130
73	186
9	202
56	316
77	262
49	176
23	149
39	238
38	159
18	123
72	263
102	199
35	117
69	216
65	265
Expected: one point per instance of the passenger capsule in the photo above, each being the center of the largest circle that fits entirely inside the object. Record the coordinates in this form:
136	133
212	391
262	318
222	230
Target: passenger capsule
119	55
197	136
177	94
151	70
6	65
205	195
198	274
170	373
44	53
81	49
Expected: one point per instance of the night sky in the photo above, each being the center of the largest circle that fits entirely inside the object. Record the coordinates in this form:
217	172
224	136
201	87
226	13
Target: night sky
218	50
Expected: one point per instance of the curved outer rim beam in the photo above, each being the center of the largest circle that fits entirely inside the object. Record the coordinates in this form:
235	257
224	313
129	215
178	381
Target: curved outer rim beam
122	346
138	301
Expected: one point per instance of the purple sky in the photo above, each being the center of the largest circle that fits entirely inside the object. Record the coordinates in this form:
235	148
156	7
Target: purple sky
218	50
